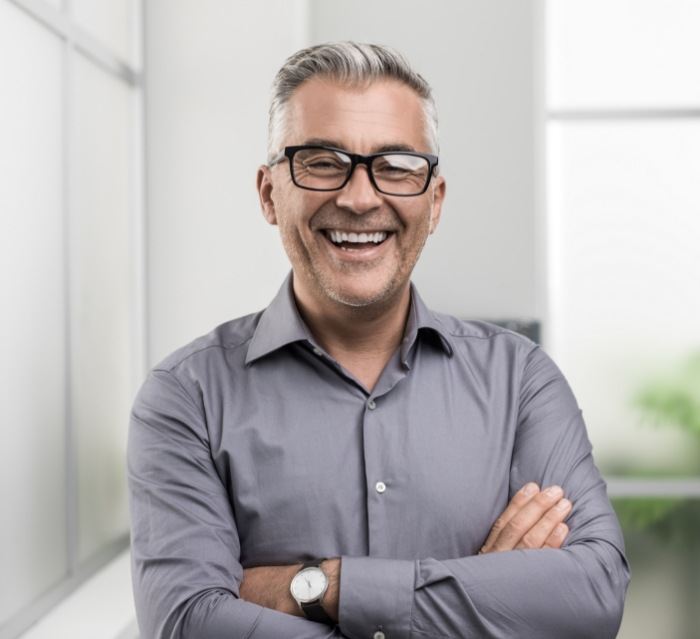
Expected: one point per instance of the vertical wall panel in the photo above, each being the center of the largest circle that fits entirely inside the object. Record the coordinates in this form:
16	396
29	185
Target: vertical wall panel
100	277
32	318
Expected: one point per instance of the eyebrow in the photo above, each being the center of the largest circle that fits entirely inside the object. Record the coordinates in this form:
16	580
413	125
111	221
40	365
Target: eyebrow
380	149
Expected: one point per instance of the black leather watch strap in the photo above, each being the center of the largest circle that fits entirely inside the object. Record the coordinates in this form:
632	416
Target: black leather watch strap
314	610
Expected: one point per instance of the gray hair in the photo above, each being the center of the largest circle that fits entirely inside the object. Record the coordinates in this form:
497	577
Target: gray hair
349	63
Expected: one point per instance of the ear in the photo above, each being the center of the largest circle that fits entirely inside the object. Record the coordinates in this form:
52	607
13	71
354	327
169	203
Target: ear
439	189
264	185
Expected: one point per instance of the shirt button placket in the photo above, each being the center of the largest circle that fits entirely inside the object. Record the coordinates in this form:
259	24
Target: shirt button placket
375	470
380	486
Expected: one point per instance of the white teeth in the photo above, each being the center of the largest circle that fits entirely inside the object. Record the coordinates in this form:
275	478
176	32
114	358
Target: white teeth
338	236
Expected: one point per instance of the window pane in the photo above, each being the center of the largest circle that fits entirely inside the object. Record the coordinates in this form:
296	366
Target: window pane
112	22
663	548
624	208
32	365
101	337
623	53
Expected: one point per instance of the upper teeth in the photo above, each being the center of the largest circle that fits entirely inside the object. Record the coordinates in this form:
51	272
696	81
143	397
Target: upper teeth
339	236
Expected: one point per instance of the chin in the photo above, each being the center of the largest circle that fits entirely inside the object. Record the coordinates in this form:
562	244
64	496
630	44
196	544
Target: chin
360	298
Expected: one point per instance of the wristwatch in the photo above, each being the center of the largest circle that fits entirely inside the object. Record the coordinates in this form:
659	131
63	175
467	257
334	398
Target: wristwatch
308	587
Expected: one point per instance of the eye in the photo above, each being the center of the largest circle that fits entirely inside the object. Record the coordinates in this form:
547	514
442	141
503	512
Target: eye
318	161
394	169
323	163
399	166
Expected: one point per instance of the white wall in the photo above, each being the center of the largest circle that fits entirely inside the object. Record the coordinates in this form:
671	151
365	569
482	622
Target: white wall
33	492
212	257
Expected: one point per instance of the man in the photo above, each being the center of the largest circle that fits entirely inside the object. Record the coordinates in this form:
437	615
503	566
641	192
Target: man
348	463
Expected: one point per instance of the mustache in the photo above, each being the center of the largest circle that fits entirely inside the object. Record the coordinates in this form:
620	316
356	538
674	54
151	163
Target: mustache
335	219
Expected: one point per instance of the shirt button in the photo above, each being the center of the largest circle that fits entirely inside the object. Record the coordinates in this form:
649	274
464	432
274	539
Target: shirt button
379	635
317	351
380	487
371	404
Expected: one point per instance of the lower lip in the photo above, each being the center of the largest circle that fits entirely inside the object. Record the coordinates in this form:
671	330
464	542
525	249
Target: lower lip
359	254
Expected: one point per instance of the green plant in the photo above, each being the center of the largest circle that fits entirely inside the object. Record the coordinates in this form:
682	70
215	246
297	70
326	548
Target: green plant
671	400
674	400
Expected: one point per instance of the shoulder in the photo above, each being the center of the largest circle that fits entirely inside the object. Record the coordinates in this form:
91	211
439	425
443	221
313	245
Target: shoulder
477	332
218	344
485	348
495	351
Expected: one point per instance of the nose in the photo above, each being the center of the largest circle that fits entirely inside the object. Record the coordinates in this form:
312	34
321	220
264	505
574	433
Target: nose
358	195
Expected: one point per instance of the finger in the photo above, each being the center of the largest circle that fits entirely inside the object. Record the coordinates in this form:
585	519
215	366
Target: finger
556	539
524	495
536	536
526	518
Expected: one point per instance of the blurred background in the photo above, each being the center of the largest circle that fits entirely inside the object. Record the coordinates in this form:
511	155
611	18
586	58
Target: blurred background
130	133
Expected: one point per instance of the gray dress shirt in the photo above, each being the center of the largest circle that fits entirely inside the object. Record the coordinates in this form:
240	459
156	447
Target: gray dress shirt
252	446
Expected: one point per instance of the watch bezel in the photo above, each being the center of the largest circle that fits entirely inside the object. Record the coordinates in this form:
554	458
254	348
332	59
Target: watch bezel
299	576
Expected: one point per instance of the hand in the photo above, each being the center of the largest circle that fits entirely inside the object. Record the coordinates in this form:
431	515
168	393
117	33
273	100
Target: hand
533	519
268	586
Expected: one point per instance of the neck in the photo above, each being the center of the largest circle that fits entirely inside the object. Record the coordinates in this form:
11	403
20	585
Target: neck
364	332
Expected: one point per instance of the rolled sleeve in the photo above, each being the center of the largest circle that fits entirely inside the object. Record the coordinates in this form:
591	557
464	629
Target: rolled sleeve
376	595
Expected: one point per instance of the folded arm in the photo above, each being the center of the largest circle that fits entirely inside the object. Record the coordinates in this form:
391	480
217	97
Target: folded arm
575	592
184	545
533	519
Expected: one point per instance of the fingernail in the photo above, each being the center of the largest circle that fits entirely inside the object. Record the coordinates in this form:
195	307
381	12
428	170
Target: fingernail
530	489
561	529
563	504
553	491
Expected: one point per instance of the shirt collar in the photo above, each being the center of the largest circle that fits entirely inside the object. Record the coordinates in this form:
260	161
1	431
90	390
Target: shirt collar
421	318
281	324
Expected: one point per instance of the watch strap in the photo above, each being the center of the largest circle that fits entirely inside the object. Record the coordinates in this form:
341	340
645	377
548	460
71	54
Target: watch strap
314	610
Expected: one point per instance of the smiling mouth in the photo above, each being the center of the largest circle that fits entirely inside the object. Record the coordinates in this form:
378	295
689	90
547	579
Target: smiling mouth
350	241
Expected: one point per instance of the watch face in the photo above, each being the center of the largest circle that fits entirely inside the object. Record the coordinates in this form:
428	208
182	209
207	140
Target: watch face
309	584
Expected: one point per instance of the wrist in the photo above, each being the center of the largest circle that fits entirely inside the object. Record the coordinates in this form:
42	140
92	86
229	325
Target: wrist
331	598
287	602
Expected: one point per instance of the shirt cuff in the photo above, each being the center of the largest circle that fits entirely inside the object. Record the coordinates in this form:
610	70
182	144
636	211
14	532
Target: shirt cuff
376	596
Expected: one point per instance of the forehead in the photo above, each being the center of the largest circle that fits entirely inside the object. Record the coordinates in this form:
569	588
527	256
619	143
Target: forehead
361	119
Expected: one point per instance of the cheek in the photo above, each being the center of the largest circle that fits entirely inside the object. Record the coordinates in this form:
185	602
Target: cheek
297	238
416	237
420	224
297	207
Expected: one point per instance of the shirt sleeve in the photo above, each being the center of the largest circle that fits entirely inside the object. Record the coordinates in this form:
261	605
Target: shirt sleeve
576	591
185	548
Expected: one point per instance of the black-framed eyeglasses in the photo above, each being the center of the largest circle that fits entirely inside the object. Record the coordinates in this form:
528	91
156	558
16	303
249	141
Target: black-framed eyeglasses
325	168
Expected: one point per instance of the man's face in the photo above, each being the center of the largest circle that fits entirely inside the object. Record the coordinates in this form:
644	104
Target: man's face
384	115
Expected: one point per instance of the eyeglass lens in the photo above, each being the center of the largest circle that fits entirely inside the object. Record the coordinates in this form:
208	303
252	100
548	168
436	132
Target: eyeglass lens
394	173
